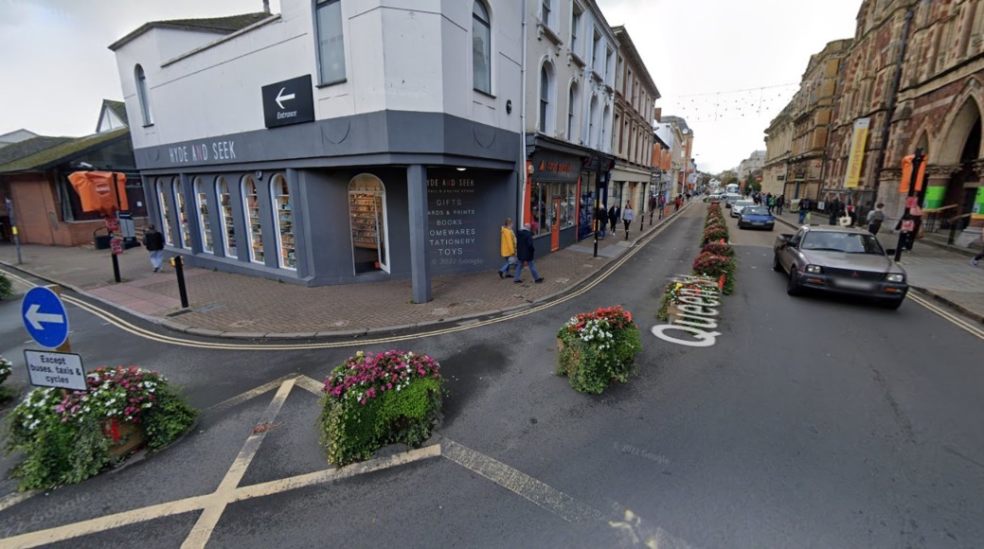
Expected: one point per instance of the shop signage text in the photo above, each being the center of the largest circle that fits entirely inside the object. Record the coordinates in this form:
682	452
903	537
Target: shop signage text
288	102
203	152
452	213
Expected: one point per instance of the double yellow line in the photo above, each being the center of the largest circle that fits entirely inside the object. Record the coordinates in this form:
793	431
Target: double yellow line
361	342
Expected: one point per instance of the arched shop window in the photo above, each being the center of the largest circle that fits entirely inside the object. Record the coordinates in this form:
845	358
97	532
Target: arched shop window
164	210
179	206
283	212
226	218
251	213
367	216
201	204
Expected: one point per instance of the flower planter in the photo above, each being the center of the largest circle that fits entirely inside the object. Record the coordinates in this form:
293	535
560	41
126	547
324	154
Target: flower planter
373	400
124	438
66	437
595	349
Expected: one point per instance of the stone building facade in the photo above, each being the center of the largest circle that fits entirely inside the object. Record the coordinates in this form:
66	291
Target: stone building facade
778	146
936	106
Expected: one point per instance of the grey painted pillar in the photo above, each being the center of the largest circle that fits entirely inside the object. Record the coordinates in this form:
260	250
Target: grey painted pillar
417	204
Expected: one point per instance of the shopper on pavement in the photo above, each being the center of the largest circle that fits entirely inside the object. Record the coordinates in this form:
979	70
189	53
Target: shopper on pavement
601	218
875	219
154	242
835	211
780	202
507	247
627	217
804	208
614	214
524	253
770	202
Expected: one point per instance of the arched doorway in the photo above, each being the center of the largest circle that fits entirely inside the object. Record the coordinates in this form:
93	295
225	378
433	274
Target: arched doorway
367	217
961	148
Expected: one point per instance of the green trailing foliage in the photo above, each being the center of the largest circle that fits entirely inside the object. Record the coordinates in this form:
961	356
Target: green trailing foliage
65	436
373	400
598	348
6	289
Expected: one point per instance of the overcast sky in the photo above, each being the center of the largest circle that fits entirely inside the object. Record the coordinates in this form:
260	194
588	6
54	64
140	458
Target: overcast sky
57	69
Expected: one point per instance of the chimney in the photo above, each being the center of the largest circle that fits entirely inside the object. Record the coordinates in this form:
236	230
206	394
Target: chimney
266	6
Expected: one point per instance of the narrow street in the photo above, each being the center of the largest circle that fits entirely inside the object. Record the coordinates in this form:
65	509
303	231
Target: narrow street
811	423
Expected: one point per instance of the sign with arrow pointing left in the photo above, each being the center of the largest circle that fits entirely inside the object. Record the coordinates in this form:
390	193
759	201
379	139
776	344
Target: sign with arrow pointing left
288	102
45	317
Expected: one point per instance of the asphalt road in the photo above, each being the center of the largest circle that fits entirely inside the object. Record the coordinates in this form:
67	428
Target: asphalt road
811	423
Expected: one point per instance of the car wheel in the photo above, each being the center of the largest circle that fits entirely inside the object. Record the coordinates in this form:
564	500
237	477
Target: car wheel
792	285
776	266
771	227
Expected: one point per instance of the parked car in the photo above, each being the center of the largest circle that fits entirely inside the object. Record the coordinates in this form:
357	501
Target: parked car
756	217
842	260
739	205
714	198
730	199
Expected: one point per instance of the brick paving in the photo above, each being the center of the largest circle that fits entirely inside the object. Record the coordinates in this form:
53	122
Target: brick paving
938	271
244	306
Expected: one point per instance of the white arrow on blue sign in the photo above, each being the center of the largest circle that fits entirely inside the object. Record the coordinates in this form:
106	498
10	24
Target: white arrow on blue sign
45	317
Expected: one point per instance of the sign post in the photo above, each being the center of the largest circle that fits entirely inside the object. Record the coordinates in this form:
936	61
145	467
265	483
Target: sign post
288	102
46	320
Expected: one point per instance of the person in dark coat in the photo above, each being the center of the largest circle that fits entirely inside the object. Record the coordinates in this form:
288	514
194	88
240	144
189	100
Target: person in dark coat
614	214
835	210
154	242
524	253
601	217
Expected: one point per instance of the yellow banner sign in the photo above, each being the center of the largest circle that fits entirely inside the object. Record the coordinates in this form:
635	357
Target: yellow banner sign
856	161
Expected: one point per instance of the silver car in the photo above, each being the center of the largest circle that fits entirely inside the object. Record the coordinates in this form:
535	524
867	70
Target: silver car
840	260
740	205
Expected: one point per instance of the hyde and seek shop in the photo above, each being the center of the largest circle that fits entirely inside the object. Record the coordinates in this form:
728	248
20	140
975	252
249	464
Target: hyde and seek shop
334	142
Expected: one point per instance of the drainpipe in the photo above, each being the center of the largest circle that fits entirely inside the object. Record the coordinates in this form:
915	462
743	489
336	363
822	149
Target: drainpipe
893	94
266	6
521	167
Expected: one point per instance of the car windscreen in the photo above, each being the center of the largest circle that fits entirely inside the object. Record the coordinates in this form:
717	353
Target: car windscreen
852	243
755	210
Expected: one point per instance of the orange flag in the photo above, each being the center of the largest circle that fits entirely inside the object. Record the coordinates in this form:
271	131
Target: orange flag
907	174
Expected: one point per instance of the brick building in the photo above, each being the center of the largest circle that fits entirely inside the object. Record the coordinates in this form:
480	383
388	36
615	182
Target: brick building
936	105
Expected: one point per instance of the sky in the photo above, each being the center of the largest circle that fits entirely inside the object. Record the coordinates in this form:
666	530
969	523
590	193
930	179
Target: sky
727	67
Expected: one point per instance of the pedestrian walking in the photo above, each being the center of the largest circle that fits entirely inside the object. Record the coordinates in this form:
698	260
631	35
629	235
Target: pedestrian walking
875	219
780	202
627	217
662	204
601	219
804	209
835	210
507	247
525	253
614	214
770	203
653	204
154	242
976	260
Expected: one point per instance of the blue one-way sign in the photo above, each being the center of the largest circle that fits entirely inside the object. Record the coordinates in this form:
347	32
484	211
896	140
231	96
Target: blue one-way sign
45	317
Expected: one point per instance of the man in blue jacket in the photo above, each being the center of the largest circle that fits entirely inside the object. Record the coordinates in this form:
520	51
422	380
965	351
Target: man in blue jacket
524	253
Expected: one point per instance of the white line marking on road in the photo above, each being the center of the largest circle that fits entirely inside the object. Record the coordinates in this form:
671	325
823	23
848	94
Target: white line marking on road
531	489
220	498
310	385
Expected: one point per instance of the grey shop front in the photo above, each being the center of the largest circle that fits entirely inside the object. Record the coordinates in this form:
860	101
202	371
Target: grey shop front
322	214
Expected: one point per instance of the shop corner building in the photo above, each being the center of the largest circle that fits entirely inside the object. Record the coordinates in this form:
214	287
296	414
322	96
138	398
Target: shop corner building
334	142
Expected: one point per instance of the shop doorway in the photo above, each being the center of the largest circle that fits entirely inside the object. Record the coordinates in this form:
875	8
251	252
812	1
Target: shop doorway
367	217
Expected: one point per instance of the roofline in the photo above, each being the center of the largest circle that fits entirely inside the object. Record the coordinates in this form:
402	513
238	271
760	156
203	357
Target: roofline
53	163
160	25
620	31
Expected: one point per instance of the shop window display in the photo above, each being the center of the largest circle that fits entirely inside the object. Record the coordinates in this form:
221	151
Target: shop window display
165	211
201	199
179	205
225	214
542	197
284	214
254	228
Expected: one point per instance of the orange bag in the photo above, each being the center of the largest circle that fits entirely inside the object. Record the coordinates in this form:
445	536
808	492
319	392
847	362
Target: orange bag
95	190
